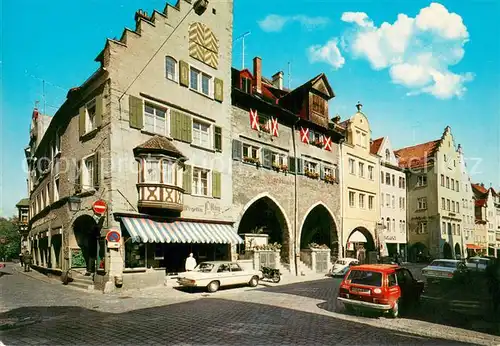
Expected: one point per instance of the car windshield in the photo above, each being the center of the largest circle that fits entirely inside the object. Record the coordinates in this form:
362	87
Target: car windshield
341	262
444	264
365	277
204	267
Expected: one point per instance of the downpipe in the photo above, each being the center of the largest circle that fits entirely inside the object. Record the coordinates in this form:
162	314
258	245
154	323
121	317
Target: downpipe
296	202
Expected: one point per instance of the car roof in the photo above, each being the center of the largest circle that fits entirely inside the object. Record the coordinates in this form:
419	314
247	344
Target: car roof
377	267
347	259
446	260
217	262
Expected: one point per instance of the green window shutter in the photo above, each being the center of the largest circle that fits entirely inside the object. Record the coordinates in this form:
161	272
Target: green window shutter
174	124
218	89
237	150
218	138
337	175
78	177
183	73
300	166
188	128
291	164
187	179
321	172
97	166
82	119
136	110
267	158
216	184
99	109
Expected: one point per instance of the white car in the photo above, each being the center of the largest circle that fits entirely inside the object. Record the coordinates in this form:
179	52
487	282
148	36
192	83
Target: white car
342	265
443	270
215	274
477	263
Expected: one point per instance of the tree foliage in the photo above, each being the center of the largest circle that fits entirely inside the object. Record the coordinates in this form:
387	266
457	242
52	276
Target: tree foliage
10	238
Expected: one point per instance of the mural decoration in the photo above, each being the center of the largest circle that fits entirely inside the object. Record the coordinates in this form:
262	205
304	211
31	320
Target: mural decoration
203	45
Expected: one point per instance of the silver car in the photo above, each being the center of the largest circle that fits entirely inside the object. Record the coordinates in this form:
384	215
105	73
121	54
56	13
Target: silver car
443	270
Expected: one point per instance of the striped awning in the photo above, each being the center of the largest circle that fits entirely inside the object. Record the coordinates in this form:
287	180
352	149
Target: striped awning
149	231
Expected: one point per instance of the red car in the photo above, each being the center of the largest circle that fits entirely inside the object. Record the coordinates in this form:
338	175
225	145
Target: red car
379	287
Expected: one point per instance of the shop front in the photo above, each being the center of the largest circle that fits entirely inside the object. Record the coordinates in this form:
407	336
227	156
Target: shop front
155	249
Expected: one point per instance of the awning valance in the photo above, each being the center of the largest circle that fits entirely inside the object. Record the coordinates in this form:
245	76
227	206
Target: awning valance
146	230
357	237
474	247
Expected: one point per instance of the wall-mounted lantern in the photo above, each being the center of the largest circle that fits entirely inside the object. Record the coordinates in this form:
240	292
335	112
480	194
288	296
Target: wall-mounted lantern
75	203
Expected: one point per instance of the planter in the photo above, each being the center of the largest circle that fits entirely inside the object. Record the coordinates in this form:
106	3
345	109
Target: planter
330	179
252	160
311	174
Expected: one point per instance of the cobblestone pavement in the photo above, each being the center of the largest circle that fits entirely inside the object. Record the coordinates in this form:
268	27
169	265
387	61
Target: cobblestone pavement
48	313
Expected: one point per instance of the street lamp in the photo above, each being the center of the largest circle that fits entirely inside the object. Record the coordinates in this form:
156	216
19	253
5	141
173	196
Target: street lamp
74	203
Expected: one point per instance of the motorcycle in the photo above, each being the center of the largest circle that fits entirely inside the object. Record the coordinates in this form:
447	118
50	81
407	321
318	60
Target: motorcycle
271	273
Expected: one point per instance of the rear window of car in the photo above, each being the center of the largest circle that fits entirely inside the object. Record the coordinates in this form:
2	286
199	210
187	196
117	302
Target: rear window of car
341	262
365	277
444	264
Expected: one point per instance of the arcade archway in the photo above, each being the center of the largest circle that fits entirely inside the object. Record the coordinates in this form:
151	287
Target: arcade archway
87	235
319	228
458	252
264	216
447	252
361	245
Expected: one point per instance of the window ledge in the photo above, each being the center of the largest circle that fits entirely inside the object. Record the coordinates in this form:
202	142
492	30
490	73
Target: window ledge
172	79
202	94
89	135
203	148
149	133
86	193
134	270
203	196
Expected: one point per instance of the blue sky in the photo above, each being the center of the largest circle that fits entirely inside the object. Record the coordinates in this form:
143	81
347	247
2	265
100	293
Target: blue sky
427	67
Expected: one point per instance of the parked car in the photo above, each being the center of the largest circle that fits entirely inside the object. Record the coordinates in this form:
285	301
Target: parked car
342	265
444	270
477	263
379	287
215	274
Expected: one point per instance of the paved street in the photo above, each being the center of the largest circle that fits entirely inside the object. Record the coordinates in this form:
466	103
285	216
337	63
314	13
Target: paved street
300	313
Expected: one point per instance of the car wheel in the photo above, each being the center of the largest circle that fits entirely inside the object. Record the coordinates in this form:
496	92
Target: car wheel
213	286
276	279
394	313
254	281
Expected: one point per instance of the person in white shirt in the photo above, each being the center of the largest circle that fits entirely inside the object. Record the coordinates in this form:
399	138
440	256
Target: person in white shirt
190	263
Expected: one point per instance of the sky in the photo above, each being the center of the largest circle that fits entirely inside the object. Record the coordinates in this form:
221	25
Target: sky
416	66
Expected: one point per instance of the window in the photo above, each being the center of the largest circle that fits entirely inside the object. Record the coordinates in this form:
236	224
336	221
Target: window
458	229
328	172
361	169
391	280
393	180
170	68
90	110
443	227
448	207
422	203
387	155
155	119
442	179
88	173
200	81
458	207
47	194
393	202
370	172
352	169
457	185
445	159
381	177
200	182
403	183
404	227
447	182
194	79
452	206
454	227
352	195
403	200
167	172
318	104
361	200
364	277
387	179
251	151
364	140
280	160
387	200
370	202
422	180
201	134
311	166
443	203
56	189
246	85
422	227
453	184
381	199
394	225
388	224
57	143
151	171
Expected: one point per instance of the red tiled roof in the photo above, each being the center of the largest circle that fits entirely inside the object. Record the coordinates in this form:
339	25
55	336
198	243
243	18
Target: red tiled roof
479	188
480	202
159	144
344	124
416	156
375	146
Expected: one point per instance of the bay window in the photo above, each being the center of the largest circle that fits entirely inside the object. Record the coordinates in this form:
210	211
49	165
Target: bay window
151	171
167	172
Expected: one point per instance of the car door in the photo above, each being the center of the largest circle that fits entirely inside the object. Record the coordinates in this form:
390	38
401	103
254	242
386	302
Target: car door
224	274
394	292
404	283
238	275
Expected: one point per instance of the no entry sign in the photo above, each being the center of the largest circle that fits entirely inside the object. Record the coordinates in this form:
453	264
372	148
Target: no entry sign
99	207
113	237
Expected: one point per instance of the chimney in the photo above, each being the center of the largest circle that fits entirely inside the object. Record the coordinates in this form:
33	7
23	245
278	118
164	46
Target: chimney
482	184
336	119
278	80
460	148
257	74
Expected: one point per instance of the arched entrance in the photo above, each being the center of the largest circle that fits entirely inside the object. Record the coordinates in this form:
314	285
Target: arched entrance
319	227
418	252
361	245
447	253
87	235
458	252
264	216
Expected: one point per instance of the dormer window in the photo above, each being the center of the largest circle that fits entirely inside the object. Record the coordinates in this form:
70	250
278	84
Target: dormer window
246	85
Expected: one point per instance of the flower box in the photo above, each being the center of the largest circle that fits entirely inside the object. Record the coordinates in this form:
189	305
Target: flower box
253	160
317	143
311	174
329	178
265	128
280	168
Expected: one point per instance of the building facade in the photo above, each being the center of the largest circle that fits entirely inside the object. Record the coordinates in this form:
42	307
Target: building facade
285	164
467	208
149	135
360	188
23	207
392	198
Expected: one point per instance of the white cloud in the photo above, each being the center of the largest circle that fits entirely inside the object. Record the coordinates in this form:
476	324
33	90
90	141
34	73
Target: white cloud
275	23
418	52
328	53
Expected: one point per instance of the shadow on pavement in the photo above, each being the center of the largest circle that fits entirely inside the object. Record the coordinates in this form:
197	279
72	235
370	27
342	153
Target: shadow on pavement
2	273
460	306
207	321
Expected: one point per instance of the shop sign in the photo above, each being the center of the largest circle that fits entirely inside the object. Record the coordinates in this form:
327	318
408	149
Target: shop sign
207	208
390	237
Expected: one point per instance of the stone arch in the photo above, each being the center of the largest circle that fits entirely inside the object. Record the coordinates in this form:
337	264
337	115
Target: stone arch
360	238
458	250
264	214
327	232
447	252
86	232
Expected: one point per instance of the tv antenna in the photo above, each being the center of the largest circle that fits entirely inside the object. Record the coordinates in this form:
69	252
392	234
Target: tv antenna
242	38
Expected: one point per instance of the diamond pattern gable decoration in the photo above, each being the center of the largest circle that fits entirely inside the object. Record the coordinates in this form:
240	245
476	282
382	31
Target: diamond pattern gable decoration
254	119
304	135
274	127
327	142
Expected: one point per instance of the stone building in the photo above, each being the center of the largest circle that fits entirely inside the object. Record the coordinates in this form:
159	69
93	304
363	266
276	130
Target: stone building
285	164
149	135
434	179
392	198
360	189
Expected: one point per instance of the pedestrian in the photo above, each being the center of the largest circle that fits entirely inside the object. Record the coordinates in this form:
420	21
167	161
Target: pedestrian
190	263
21	259
27	261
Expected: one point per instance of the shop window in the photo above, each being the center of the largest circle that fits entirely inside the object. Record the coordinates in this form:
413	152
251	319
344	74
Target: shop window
135	254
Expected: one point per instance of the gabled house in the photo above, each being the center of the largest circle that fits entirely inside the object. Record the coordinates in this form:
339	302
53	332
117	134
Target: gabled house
485	215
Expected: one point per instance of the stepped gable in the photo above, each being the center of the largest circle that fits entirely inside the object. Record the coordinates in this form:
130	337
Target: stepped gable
417	156
141	17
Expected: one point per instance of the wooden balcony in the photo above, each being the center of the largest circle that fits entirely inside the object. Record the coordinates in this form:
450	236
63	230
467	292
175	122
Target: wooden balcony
155	195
